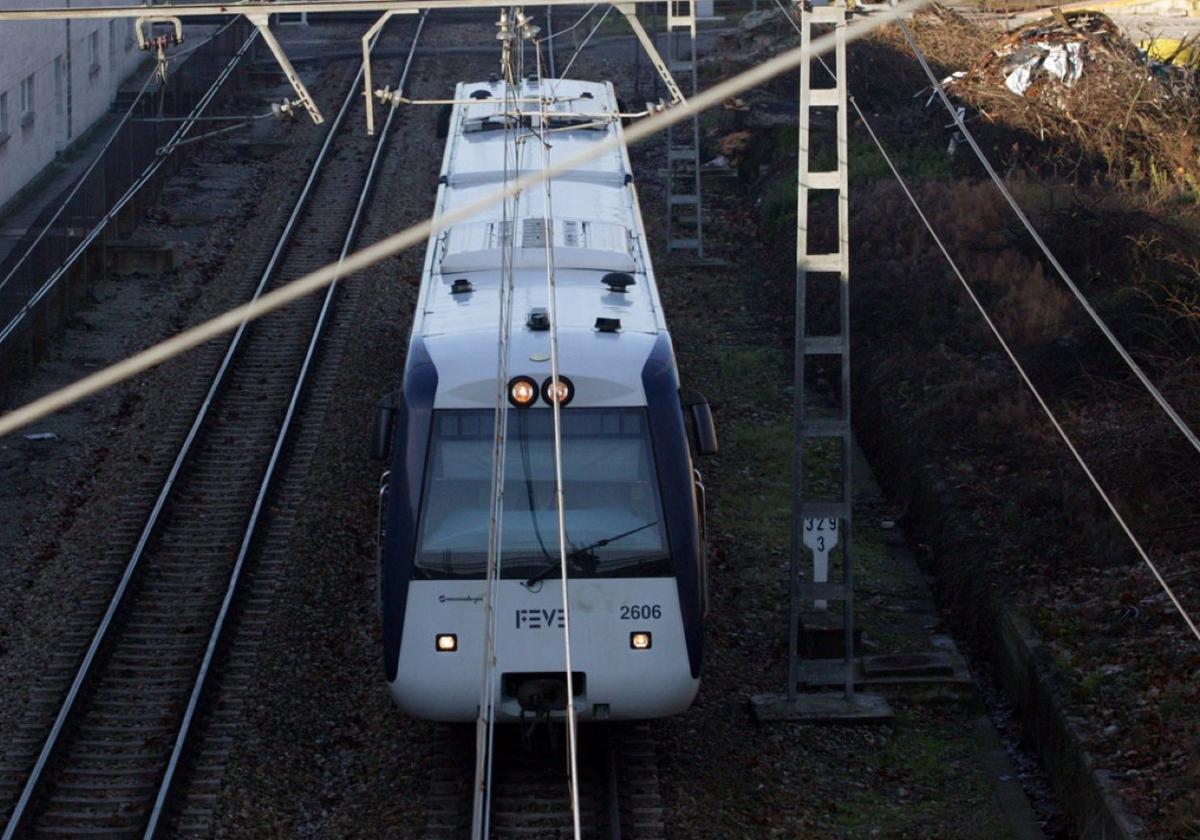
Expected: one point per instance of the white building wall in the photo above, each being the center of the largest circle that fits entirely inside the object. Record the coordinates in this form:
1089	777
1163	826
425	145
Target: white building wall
77	67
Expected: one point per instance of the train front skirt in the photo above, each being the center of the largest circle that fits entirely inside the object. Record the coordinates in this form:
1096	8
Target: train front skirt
628	653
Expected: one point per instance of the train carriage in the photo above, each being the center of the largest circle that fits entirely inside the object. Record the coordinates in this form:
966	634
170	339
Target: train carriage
634	503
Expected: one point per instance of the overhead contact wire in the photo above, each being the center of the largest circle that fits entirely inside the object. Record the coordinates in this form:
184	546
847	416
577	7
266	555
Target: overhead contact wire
153	167
579	49
1037	395
80	180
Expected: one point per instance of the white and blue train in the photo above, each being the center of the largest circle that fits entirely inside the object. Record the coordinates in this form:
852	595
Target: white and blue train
634	503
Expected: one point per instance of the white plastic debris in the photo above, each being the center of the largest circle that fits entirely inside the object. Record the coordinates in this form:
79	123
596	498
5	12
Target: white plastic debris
1018	80
36	436
1061	62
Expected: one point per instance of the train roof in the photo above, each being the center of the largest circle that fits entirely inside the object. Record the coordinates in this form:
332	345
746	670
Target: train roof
596	230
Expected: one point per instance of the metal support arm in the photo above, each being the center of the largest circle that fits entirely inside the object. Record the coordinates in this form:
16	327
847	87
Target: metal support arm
629	10
260	20
366	49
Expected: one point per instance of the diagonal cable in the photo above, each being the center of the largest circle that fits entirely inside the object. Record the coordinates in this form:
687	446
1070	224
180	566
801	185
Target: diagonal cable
551	36
579	49
1038	396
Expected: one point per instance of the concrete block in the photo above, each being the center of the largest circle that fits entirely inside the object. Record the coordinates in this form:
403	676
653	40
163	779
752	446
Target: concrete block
821	707
133	256
934	677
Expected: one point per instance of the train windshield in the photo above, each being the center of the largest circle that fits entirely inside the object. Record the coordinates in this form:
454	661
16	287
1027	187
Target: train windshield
614	519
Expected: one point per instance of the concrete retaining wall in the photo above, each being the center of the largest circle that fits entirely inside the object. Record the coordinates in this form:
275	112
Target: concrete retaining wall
1022	663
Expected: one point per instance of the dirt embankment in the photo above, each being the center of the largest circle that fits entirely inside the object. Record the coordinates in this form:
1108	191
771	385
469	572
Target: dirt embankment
949	423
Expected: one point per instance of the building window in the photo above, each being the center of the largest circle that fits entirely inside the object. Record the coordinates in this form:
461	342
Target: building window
58	85
3	118
130	36
27	100
94	53
112	45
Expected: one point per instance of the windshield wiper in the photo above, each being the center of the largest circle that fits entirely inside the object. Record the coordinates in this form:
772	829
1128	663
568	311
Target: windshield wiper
556	564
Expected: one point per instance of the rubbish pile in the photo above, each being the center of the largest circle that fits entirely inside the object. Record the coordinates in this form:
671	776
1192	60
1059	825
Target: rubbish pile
1042	59
1071	90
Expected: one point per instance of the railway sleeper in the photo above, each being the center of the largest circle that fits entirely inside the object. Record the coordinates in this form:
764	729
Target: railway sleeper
118	763
138	694
113	832
103	769
59	823
140	664
78	800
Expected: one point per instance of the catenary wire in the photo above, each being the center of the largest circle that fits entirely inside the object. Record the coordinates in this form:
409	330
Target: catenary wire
1012	358
1041	243
559	497
579	49
550	37
1038	396
420	232
485	721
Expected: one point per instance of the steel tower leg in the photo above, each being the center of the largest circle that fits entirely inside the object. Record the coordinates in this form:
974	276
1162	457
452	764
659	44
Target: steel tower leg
685	225
808	515
818	524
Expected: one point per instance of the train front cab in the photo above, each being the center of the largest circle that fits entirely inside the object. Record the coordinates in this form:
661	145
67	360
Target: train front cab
636	548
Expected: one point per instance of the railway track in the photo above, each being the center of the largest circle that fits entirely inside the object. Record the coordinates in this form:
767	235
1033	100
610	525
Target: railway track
115	744
619	795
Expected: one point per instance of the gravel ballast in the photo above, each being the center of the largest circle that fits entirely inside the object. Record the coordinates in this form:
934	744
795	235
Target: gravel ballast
320	751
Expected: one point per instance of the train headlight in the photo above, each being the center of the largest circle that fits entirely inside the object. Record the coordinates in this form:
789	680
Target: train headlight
639	640
566	390
522	391
447	642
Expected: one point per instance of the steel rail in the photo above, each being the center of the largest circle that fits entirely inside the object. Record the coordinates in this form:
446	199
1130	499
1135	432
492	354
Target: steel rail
318	333
48	747
612	788
85	671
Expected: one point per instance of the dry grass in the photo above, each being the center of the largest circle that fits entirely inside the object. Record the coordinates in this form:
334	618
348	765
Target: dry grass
1119	119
